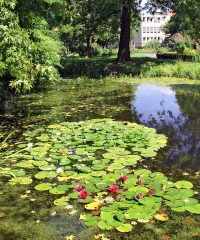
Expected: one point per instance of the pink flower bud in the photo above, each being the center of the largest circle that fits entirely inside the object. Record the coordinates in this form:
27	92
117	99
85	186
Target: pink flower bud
83	194
140	196
140	181
123	178
78	188
113	188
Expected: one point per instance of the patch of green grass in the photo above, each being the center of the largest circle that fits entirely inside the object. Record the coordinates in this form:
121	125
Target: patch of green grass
139	66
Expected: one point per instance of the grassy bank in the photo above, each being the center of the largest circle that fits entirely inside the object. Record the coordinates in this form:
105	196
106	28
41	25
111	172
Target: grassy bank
140	66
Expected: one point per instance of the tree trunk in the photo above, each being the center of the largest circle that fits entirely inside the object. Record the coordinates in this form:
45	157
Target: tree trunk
124	44
89	49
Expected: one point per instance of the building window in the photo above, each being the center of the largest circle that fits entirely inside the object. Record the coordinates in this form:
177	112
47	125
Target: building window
144	39
143	19
147	29
155	19
155	38
158	20
144	29
151	29
147	19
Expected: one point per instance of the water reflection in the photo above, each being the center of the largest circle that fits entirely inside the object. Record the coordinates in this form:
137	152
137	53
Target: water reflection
158	107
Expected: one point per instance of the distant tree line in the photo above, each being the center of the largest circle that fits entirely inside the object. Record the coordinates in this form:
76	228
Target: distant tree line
35	34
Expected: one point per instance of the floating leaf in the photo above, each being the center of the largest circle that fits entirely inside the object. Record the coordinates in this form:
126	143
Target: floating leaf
21	180
183	184
125	228
161	217
61	201
43	186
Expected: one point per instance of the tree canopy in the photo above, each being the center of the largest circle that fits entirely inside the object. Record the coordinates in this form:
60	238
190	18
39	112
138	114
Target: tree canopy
35	34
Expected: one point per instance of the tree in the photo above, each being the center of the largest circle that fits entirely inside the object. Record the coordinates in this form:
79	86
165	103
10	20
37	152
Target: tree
87	19
30	50
129	14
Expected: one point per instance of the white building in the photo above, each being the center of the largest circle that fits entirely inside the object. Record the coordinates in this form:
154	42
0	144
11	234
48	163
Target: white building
151	28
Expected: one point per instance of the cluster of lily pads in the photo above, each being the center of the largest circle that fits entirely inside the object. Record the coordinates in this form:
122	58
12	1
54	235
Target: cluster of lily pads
92	163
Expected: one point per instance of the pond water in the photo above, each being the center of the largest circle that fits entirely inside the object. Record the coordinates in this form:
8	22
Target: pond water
172	110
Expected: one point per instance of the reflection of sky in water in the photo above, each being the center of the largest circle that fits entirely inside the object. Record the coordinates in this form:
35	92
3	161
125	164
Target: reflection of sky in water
157	106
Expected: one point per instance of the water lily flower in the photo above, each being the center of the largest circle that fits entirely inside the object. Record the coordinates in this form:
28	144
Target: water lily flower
140	196
78	187
29	146
113	188
123	178
60	170
140	181
83	194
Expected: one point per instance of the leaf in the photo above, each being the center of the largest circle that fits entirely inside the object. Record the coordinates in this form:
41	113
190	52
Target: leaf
21	181
183	184
60	189
43	186
61	201
45	174
125	228
161	217
194	209
94	205
104	226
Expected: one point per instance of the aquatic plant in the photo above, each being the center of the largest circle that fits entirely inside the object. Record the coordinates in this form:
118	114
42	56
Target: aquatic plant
94	163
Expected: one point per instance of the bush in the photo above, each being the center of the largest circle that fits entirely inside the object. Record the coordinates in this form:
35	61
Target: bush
153	45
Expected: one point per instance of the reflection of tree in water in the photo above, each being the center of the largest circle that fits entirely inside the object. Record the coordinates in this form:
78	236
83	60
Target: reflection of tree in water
160	108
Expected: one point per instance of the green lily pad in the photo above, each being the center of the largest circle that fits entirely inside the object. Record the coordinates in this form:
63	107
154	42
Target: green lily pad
104	225
183	184
61	201
21	180
45	174
60	189
125	228
43	186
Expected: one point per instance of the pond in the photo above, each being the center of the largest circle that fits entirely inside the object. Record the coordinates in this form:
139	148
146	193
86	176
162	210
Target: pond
172	110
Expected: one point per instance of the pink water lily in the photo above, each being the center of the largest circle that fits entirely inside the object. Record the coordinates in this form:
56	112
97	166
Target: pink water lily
140	181
83	194
140	196
113	188
78	188
123	178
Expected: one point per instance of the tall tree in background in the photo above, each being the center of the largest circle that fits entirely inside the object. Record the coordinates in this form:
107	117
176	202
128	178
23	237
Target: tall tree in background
88	16
124	44
130	12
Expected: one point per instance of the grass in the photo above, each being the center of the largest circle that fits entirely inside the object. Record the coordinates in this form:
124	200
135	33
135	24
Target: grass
140	66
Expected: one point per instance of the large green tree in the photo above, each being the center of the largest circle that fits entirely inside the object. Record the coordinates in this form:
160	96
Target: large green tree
29	49
88	17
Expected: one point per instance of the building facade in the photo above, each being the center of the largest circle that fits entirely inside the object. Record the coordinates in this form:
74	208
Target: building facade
151	28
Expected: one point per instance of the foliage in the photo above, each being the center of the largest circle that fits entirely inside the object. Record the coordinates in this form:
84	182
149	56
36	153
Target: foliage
138	67
100	156
153	45
187	15
30	52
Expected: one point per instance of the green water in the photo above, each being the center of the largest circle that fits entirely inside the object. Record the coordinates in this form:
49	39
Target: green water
171	110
